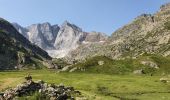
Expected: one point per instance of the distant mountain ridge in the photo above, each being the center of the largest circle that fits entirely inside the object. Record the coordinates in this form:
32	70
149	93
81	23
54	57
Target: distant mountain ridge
145	34
58	41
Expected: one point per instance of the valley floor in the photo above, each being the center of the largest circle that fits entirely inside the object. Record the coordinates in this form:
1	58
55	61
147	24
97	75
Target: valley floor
97	86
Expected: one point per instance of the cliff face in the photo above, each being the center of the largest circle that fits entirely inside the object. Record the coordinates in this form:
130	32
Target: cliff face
15	50
42	35
58	41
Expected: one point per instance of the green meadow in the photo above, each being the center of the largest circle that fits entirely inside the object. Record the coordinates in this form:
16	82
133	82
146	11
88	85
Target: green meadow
97	86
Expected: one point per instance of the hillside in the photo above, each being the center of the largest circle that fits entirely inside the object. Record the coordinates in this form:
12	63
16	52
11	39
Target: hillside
145	34
16	51
145	64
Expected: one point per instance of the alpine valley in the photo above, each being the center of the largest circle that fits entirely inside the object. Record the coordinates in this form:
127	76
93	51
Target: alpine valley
131	64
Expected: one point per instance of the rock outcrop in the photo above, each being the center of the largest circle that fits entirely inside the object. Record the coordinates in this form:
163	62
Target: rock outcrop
46	91
95	37
150	64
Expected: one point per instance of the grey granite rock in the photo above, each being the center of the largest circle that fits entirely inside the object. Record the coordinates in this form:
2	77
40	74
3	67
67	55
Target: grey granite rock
58	41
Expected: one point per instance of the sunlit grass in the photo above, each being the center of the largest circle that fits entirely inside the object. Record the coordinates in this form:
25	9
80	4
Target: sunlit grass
97	86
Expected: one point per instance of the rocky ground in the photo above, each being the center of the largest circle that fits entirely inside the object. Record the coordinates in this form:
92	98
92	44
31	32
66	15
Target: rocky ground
46	91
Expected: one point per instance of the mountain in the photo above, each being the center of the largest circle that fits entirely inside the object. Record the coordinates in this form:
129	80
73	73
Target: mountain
68	38
146	34
16	51
42	35
21	29
58	41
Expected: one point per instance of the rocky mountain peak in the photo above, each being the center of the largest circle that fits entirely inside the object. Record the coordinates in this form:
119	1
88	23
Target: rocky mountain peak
67	24
46	24
57	40
69	37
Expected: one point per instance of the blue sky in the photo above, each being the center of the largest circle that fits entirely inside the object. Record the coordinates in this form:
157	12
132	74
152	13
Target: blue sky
91	15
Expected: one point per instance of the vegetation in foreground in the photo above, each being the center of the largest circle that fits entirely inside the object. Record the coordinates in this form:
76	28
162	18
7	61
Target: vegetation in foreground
97	86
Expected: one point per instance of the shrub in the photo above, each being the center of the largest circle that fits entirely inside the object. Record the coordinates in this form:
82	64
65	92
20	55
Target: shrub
167	25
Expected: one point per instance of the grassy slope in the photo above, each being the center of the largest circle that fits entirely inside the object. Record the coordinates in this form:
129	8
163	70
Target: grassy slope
98	86
125	66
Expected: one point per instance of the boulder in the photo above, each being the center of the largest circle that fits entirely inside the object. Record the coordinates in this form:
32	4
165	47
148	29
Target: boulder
100	63
73	69
66	68
164	80
150	63
140	71
1	97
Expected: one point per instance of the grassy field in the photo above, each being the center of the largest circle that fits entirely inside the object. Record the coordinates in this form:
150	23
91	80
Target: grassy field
97	86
